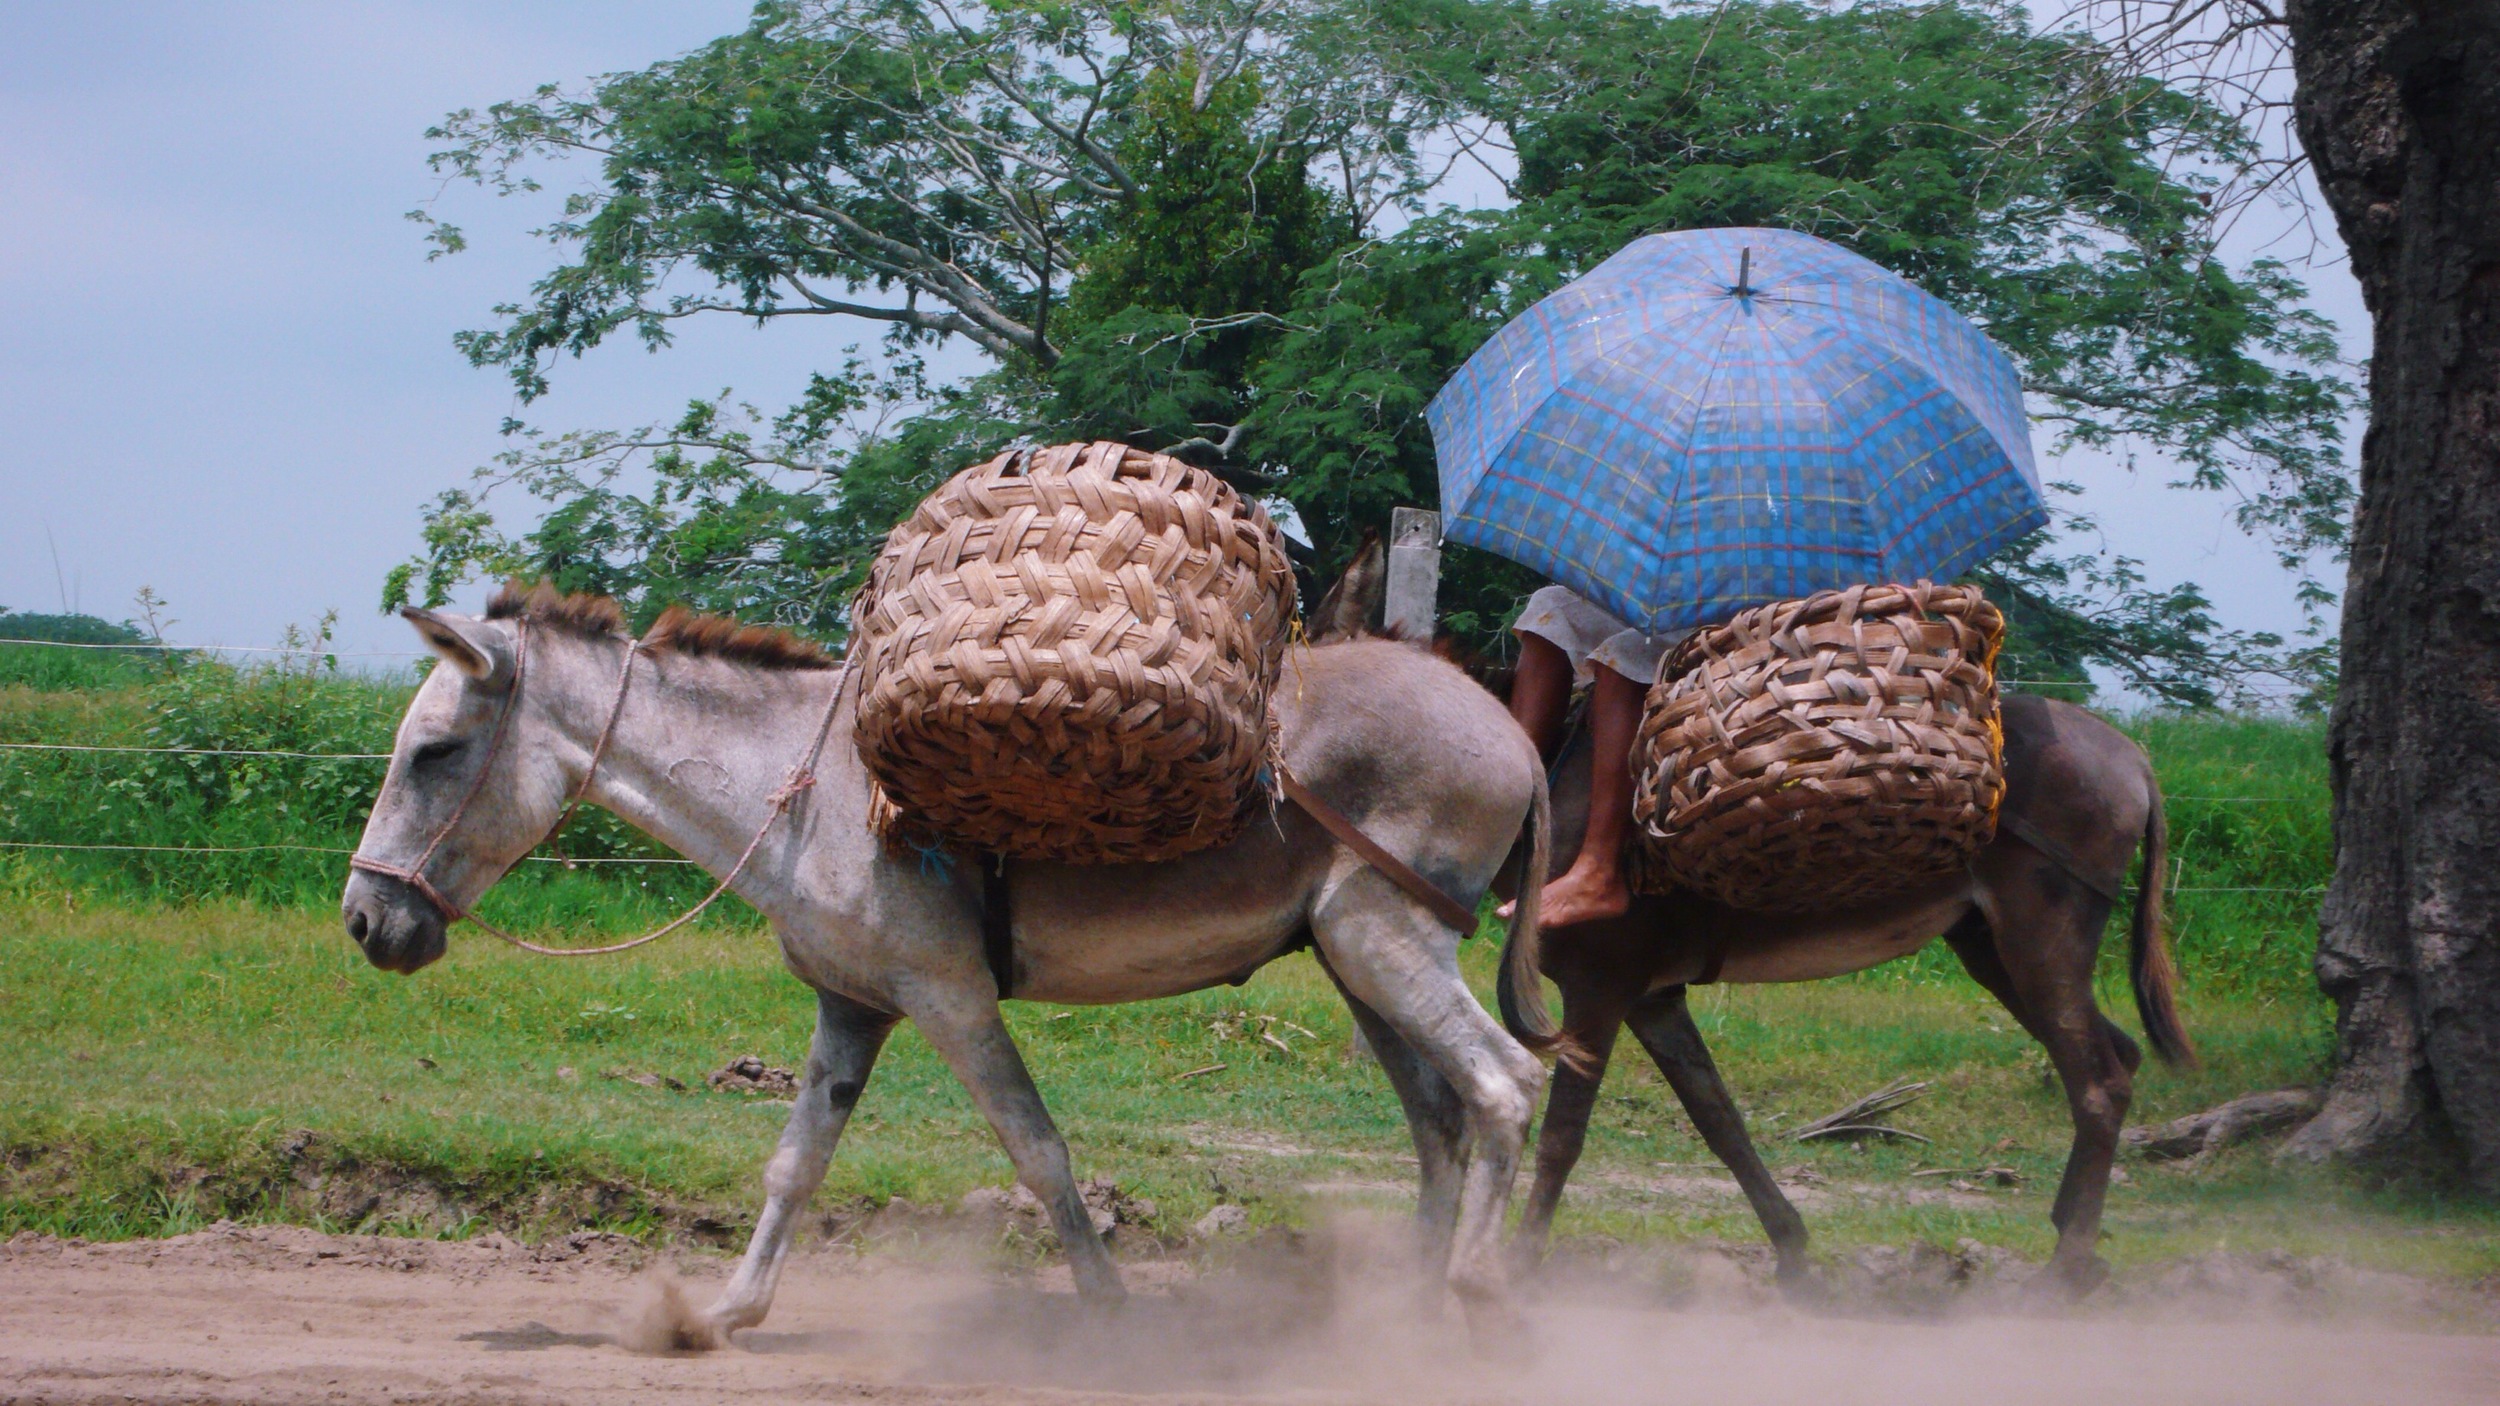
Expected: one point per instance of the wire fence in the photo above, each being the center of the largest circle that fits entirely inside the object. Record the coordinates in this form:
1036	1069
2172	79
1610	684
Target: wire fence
196	752
158	647
629	859
310	651
567	862
576	862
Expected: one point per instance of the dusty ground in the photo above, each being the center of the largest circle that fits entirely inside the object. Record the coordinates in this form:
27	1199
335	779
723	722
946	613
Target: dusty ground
279	1314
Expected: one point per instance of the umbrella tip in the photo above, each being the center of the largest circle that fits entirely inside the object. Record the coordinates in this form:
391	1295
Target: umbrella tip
1744	273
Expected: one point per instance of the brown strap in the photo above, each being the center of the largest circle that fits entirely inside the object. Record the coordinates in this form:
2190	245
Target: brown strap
998	924
1713	959
2059	855
1449	910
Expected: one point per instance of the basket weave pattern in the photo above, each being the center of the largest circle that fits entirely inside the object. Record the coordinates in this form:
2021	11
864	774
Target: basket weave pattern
1067	653
1819	752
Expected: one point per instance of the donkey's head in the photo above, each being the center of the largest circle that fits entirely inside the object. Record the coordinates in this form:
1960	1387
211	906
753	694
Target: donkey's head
473	786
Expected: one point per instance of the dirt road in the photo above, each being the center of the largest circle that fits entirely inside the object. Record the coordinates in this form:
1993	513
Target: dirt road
281	1315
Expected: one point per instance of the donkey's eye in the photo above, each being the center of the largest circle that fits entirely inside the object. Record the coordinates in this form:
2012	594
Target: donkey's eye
433	752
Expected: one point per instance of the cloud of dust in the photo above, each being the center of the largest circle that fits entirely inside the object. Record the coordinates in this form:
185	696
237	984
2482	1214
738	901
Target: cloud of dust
658	1319
1339	1311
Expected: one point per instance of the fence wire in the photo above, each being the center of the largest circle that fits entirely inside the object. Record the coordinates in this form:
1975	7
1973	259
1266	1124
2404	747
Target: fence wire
559	859
158	648
313	849
313	651
196	752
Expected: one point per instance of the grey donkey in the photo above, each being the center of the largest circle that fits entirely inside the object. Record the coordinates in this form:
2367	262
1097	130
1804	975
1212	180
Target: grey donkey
2025	919
700	744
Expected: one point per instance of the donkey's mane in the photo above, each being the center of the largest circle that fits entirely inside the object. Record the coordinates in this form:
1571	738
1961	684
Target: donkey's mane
678	629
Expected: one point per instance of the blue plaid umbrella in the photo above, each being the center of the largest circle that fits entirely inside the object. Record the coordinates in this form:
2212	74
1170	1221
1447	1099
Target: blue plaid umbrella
1717	418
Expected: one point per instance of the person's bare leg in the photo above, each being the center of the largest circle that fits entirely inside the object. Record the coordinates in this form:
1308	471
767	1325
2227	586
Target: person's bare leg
1540	693
1593	887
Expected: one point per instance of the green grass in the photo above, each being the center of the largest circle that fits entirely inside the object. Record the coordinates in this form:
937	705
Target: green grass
167	1063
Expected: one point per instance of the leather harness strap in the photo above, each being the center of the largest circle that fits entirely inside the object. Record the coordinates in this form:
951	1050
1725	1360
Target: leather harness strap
1713	960
2059	855
998	925
1449	910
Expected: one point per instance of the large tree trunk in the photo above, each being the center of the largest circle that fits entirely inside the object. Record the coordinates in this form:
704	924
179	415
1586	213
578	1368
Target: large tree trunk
2398	103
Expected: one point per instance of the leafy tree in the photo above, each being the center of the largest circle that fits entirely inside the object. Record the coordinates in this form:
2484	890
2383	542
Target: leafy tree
1173	305
1202	227
933	168
721	509
66	628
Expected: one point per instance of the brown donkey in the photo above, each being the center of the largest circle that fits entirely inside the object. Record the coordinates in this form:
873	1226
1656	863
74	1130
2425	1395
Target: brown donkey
2026	920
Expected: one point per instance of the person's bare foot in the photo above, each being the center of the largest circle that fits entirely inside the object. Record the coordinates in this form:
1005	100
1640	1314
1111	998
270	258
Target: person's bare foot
1583	894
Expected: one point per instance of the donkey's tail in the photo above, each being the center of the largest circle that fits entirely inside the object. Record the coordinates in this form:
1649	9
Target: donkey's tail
2149	967
1519	989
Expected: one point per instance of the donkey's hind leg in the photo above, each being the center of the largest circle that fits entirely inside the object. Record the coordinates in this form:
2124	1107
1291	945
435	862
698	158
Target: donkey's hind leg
1436	1120
1663	1023
848	1037
1403	964
2035	949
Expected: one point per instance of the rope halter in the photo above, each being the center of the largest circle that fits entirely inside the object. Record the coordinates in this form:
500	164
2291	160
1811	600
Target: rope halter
800	779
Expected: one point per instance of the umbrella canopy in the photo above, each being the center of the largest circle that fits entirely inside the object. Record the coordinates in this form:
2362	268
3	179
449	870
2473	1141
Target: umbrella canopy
1719	418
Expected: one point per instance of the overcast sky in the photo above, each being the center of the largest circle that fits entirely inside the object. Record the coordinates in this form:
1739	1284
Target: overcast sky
227	370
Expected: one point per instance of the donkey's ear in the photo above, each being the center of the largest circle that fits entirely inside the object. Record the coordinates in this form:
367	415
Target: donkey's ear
470	645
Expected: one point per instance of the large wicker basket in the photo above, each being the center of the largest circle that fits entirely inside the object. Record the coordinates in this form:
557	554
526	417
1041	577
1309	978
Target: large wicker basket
1824	751
1066	654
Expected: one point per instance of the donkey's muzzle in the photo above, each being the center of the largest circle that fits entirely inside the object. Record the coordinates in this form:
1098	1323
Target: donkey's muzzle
398	928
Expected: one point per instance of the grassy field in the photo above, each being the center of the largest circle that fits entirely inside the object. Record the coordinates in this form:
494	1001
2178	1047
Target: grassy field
171	1064
193	1037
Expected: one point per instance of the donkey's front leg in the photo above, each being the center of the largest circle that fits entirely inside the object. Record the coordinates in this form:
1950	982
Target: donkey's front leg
965	1029
1663	1023
848	1037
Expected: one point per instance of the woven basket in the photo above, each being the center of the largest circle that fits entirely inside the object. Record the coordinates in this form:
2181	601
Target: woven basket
1824	751
1066	654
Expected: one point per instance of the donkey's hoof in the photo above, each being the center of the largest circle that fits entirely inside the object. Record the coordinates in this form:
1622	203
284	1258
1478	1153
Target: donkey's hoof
1798	1286
1498	1332
1102	1293
1526	1261
658	1321
2066	1281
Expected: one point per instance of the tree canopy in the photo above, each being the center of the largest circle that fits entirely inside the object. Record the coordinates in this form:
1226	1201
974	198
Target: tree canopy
1214	228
